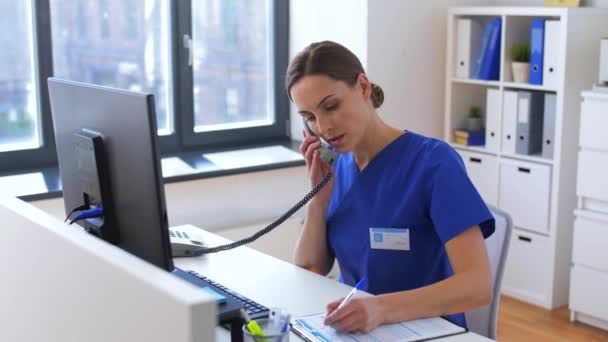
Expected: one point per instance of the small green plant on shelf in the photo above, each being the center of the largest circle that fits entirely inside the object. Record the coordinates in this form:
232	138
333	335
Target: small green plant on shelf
474	121
475	112
520	55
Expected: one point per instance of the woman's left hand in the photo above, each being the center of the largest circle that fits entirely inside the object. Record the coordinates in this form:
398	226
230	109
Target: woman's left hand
361	314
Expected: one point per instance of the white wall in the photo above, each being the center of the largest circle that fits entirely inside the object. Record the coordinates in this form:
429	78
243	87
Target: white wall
342	21
406	56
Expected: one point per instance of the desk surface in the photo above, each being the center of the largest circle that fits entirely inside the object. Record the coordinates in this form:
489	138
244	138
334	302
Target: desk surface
272	282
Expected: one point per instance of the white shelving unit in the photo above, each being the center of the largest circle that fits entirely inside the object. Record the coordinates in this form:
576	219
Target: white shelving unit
538	192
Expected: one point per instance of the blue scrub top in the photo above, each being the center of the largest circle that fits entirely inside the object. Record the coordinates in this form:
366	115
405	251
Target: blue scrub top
416	183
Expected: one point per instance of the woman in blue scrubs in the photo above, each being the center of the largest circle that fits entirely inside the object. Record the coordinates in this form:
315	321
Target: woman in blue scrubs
400	209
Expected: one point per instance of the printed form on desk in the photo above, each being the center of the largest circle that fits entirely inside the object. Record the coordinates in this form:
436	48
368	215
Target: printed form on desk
311	328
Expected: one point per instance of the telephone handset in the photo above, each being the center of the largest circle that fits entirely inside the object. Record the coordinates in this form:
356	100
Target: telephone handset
326	152
329	156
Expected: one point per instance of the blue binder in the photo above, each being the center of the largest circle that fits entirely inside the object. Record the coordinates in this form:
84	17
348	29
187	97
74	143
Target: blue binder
482	50
537	44
490	69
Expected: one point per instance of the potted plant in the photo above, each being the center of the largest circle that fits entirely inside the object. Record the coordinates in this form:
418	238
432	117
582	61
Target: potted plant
520	55
474	120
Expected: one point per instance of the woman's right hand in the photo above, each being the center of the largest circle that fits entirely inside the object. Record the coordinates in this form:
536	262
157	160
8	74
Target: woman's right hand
317	169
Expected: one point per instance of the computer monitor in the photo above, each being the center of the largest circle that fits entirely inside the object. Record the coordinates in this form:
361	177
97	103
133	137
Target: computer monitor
108	156
121	125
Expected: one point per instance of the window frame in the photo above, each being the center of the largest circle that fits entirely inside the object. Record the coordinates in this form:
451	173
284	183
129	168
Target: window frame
183	138
280	106
45	155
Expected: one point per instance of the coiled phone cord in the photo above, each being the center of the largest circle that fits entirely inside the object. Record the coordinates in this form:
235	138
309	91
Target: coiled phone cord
274	224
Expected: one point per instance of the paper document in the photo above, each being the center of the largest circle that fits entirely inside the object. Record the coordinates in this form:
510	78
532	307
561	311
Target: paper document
311	328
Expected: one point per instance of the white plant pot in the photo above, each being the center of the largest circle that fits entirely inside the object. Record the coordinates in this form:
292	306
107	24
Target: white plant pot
521	72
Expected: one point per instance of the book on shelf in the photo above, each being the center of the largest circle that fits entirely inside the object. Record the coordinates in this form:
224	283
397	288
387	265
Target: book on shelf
463	136
466	133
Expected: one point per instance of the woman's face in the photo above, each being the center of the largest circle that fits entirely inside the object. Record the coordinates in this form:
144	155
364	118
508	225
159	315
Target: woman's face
334	110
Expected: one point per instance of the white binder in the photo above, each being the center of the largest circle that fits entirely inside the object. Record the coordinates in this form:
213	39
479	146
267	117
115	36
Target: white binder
551	54
492	119
469	38
509	121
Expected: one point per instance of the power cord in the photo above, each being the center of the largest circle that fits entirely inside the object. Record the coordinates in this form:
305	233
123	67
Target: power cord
85	211
274	224
79	208
87	214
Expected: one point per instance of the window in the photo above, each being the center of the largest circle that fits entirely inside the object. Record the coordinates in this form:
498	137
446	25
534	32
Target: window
231	64
19	119
104	18
83	28
214	67
131	18
138	60
238	51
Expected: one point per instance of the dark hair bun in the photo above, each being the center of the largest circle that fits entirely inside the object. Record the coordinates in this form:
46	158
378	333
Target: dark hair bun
377	95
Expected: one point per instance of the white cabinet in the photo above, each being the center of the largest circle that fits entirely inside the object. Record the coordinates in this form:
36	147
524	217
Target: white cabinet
483	171
592	178
592	183
539	190
524	194
588	296
529	267
589	276
594	122
590	243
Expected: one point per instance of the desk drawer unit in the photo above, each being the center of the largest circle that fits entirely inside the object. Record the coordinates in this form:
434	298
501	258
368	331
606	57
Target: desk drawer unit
594	121
590	243
588	292
592	180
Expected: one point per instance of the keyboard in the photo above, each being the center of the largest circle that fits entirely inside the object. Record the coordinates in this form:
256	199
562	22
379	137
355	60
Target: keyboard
253	309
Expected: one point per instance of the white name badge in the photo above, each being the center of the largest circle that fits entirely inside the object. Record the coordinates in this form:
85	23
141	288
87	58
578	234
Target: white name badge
390	238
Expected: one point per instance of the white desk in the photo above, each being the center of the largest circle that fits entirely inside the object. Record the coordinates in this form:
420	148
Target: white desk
272	282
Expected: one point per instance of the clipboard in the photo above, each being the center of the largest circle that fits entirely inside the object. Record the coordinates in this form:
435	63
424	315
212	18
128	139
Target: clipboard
311	329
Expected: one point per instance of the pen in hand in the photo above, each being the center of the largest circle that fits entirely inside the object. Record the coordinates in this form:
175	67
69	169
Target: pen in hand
352	292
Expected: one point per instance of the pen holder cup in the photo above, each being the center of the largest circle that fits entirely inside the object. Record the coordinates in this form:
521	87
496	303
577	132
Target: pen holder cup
271	333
